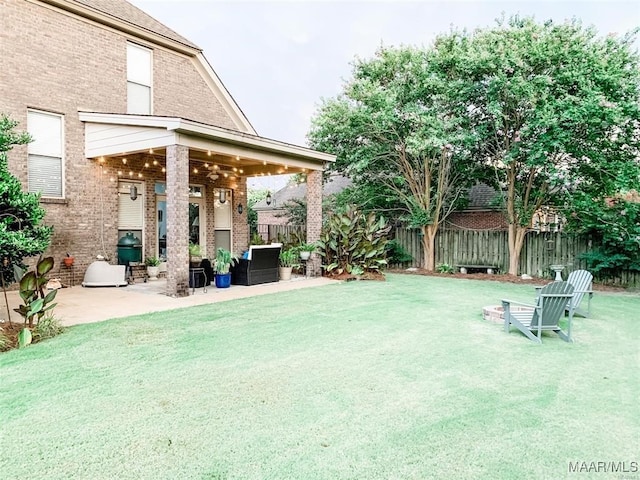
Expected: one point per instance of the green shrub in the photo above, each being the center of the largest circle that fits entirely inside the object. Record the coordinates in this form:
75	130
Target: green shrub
396	253
444	268
47	327
354	243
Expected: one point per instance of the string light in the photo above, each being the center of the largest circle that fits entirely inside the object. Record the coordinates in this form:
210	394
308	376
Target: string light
124	161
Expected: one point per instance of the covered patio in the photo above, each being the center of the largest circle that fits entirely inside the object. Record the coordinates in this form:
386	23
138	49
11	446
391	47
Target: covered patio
177	165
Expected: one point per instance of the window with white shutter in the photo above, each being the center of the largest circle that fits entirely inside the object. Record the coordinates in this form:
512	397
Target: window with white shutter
45	153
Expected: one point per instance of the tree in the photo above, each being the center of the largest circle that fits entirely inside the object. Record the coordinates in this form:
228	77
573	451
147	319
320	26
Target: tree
253	197
553	108
397	131
21	231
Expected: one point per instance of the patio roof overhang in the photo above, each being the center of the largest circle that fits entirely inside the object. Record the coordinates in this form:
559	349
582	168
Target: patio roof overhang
121	135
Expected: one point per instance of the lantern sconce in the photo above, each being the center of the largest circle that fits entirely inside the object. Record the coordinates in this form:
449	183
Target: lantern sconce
133	192
240	209
222	196
268	199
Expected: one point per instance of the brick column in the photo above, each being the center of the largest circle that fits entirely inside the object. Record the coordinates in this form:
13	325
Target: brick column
314	219
240	221
177	221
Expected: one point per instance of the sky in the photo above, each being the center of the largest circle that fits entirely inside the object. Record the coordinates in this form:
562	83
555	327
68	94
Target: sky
279	59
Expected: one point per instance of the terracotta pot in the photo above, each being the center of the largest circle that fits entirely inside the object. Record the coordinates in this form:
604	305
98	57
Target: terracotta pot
68	261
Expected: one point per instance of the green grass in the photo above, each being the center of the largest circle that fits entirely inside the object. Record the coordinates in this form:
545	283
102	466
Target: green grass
365	380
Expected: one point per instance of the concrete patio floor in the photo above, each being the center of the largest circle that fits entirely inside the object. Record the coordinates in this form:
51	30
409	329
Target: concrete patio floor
78	304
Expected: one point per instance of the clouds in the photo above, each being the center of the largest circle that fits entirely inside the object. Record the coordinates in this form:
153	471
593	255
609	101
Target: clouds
279	58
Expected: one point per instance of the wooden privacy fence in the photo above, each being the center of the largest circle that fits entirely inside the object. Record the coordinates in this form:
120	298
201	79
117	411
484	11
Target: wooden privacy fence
482	247
273	232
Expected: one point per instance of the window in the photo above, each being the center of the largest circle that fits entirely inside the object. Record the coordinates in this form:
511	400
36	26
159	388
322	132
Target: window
138	79
44	162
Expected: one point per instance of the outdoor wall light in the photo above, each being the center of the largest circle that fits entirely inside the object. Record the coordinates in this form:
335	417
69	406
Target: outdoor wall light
222	196
268	199
240	209
133	192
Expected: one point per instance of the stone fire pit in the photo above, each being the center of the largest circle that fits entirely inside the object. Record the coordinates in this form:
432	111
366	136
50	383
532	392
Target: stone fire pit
495	313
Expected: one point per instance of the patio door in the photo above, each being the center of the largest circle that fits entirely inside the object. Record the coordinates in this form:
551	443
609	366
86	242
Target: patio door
196	218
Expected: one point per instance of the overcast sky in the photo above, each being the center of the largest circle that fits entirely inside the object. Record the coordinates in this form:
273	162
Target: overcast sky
278	59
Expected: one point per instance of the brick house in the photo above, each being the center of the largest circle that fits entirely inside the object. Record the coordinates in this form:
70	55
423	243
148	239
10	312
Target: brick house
273	212
133	132
481	213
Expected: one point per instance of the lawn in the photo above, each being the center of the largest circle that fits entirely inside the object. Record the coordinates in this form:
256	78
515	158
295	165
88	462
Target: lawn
400	379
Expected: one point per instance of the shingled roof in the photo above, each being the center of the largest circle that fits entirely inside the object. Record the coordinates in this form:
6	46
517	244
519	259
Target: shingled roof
334	184
126	12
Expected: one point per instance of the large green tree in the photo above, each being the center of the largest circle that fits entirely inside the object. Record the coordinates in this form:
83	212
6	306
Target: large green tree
398	130
22	233
553	109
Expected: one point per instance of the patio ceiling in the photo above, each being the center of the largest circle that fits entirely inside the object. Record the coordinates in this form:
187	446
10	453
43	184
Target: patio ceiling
210	147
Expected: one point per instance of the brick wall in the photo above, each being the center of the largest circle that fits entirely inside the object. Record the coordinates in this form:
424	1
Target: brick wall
477	220
268	217
314	218
59	63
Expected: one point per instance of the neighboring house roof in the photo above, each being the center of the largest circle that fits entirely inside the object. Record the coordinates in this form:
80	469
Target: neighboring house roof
481	197
334	184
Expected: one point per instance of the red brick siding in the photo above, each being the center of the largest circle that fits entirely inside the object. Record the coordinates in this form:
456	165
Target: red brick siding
479	220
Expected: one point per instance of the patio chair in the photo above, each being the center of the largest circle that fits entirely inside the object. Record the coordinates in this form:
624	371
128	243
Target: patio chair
581	281
582	284
544	315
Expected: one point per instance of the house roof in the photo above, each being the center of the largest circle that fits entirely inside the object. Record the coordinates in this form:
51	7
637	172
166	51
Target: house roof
334	184
120	12
481	197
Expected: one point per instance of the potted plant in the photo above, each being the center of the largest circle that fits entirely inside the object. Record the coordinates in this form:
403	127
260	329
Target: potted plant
287	262
68	260
305	250
195	255
153	267
223	261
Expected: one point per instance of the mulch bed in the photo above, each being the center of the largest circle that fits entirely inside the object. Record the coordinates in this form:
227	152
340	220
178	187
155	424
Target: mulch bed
11	332
499	278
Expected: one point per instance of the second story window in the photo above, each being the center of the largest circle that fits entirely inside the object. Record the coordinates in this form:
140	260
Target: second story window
45	162
139	76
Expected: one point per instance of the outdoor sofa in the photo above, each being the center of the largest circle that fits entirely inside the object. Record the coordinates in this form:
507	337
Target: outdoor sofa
259	266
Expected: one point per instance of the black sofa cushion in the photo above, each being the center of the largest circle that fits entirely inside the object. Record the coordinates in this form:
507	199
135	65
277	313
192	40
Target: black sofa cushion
260	267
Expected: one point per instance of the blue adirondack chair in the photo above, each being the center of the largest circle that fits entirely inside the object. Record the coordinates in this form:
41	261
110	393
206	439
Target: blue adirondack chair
544	315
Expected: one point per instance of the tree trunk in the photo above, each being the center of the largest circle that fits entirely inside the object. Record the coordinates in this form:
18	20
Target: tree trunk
516	240
428	246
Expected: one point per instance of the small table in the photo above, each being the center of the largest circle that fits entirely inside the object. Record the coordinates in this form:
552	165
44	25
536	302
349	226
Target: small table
196	274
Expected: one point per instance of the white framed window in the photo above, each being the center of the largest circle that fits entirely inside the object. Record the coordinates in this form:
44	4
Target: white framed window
139	76
45	165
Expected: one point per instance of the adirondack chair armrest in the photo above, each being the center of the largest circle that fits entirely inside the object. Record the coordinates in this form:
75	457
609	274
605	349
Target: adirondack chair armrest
509	302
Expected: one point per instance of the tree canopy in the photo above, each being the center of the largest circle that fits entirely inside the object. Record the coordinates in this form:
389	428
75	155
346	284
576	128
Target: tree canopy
548	113
397	132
